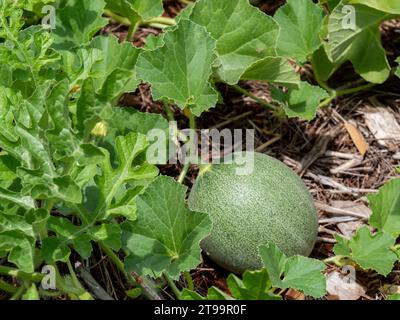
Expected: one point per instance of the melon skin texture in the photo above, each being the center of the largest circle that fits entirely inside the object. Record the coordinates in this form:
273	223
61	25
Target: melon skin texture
271	204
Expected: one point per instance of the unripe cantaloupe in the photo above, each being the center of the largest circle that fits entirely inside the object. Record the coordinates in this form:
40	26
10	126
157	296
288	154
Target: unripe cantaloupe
269	205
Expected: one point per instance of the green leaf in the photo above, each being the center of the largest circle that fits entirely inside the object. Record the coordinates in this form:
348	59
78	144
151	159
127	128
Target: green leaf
369	251
166	235
302	102
148	9
24	201
330	3
299	21
273	69
349	43
244	34
181	69
20	249
386	208
28	57
395	296
295	272
389	6
77	22
398	67
136	10
31	294
213	294
323	67
17	223
113	182
115	56
56	248
255	285
125	120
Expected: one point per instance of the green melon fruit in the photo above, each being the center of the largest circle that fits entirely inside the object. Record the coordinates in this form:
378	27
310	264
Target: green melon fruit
271	204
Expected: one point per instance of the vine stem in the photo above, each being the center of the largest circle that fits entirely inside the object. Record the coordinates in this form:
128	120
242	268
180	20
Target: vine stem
183	173
18	293
340	93
75	279
7	287
192	126
32	277
252	96
320	82
340	261
116	261
189	280
344	92
159	22
172	285
148	288
132	30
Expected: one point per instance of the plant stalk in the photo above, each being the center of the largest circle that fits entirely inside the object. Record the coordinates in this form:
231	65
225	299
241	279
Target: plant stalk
189	280
172	285
32	277
252	96
4	286
160	22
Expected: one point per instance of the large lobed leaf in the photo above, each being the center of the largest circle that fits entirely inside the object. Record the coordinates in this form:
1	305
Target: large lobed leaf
77	22
299	21
243	33
349	43
369	251
302	102
296	272
386	208
389	6
180	70
166	235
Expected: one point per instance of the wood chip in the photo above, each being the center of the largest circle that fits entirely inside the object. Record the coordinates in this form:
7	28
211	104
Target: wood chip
319	149
292	294
358	208
383	125
347	165
339	211
357	137
341	287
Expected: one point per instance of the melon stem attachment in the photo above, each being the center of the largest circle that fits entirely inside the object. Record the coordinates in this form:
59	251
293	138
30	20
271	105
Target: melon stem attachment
192	125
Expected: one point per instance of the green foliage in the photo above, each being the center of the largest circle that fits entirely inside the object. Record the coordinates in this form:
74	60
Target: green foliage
77	22
166	235
255	285
398	68
349	43
369	251
296	272
386	208
239	43
298	20
180	70
301	102
389	6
